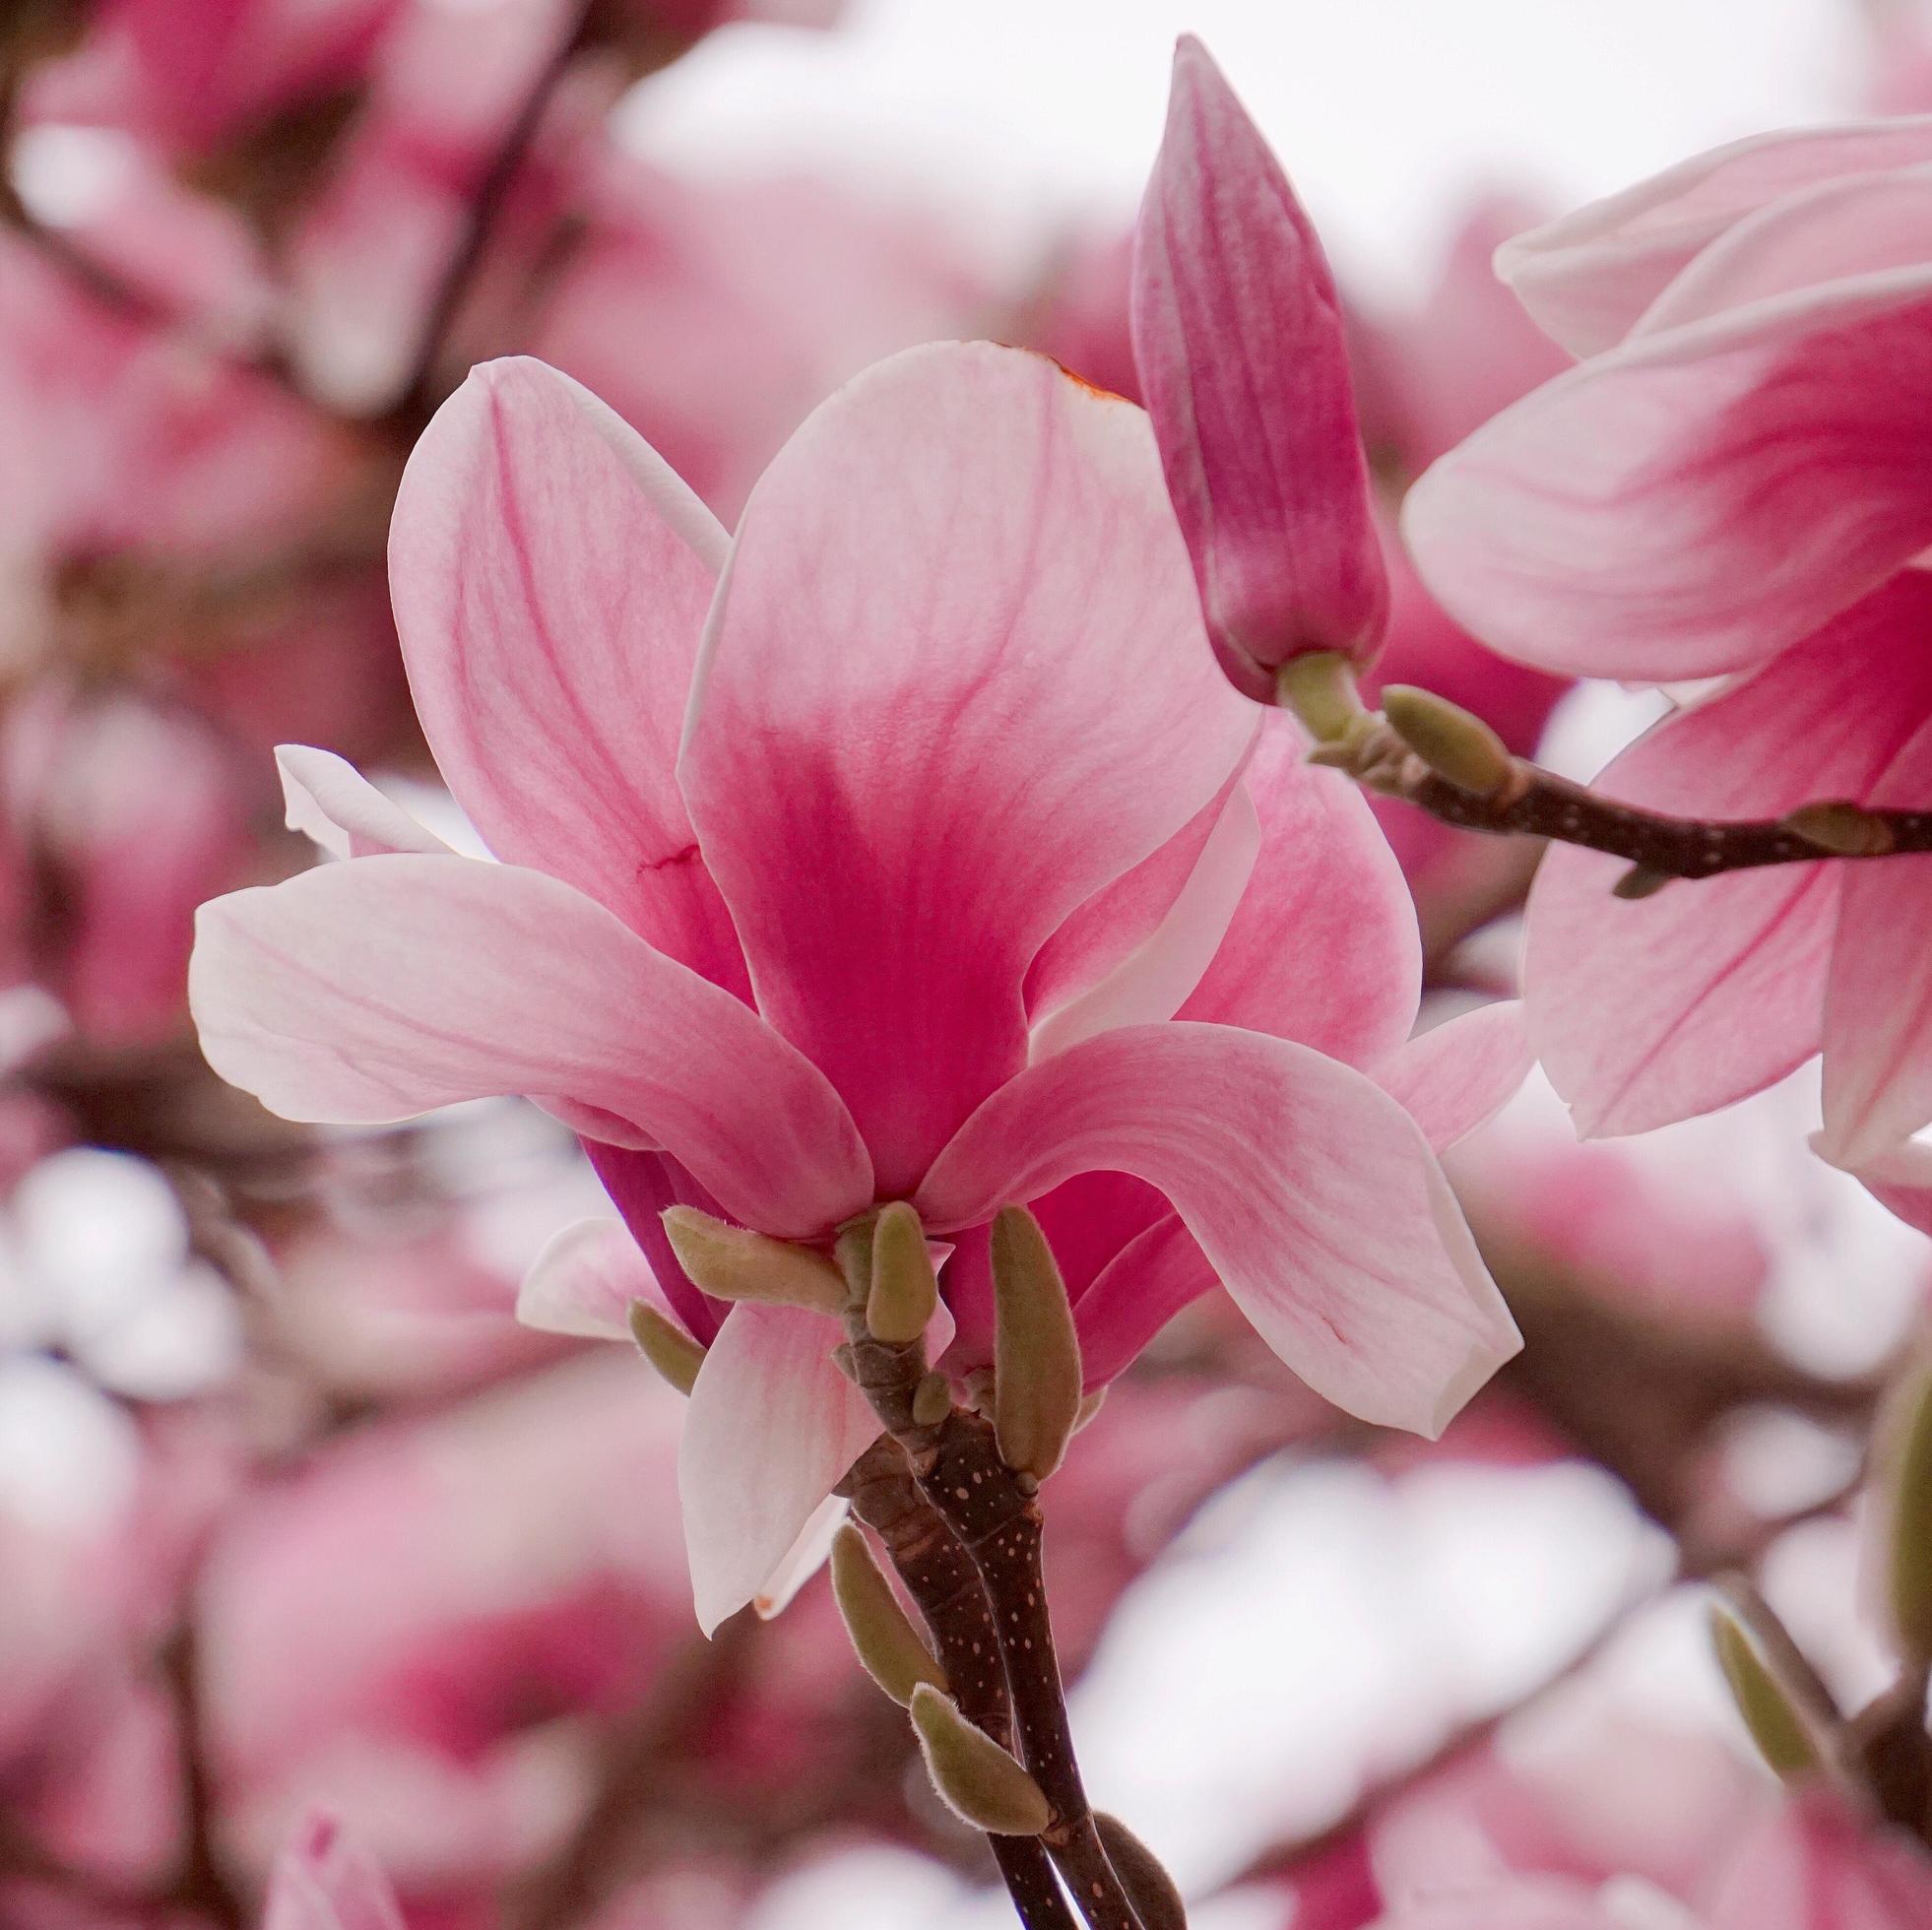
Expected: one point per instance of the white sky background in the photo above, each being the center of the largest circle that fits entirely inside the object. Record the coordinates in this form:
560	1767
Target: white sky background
1387	112
1391	115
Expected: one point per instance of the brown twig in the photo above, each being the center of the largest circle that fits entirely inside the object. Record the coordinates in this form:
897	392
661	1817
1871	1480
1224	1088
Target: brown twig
957	1465
943	1582
202	1883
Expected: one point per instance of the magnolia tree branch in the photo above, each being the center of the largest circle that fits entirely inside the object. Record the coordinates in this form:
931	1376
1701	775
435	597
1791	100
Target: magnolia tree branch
955	1461
1431	753
940	1575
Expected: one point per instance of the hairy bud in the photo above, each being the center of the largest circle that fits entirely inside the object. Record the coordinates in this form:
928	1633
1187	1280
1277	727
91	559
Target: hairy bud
1036	1354
1319	689
1639	882
905	1289
1155	1895
977	1780
931	1400
1772	1706
1844	829
668	1347
1458	745
888	1646
1902	1517
730	1262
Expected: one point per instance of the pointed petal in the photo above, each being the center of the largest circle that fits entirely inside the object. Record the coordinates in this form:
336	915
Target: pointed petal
1699	498
1311	1192
1324	949
1656	1010
329	801
585	1282
1239	339
803	1560
1457	1076
1900	1179
772	1426
323	1880
1151	1279
953	686
1878	999
379	988
1589	275
551	578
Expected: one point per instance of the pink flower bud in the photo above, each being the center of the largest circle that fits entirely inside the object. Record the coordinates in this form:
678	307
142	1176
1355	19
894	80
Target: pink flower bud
1239	335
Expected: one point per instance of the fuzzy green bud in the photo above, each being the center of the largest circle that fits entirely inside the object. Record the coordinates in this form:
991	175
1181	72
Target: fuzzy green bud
1903	1491
1458	745
1318	686
1155	1895
905	1289
977	1780
888	1646
1841	828
1036	1354
730	1262
1771	1707
667	1346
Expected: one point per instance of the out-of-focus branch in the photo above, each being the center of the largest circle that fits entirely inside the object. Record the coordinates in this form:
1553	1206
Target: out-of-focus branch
201	1882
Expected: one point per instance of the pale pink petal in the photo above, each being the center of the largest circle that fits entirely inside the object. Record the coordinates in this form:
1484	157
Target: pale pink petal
1900	1179
1699	498
1454	1077
803	1560
1324	949
1240	342
378	988
1148	1281
551	578
1100	937
1508	1903
1313	1194
1589	277
953	684
586	1281
1878	999
1814	1866
331	802
1651	1011
1153	981
325	1881
1869	225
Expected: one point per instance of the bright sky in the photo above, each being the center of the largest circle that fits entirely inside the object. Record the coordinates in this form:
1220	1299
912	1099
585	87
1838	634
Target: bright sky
1387	112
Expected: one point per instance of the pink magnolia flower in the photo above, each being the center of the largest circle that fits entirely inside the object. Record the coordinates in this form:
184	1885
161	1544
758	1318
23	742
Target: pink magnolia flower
323	1881
1242	347
1729	490
956	829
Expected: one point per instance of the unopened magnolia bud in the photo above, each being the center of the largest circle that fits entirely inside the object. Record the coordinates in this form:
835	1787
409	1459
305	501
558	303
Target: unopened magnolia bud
1155	1895
1639	882
1036	1354
931	1400
1903	1523
888	1646
905	1289
1771	1707
668	1348
977	1780
1458	746
1319	689
1844	829
730	1262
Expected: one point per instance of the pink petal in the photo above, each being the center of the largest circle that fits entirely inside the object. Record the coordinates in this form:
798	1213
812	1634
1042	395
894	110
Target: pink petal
1150	1280
1900	1179
1869	225
1154	980
1311	1193
773	1425
330	801
803	1560
1700	498
1589	277
585	1282
551	578
1656	1010
1323	949
952	686
325	1881
376	989
1458	1074
1878	1000
1239	338
1814	1866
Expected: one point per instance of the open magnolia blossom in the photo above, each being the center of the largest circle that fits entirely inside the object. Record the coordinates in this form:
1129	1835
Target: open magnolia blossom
908	846
1728	487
